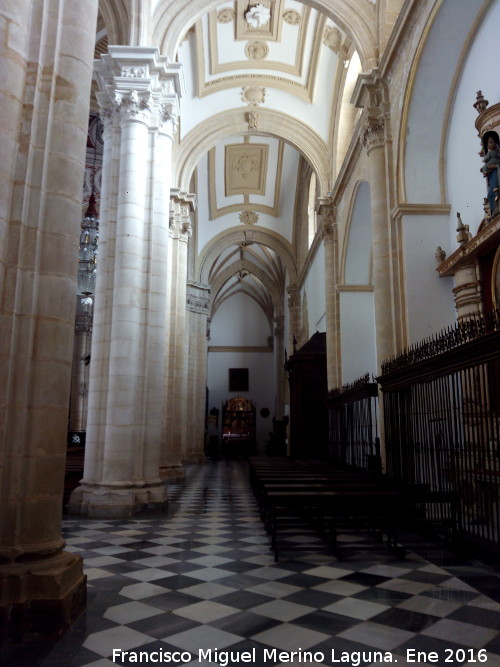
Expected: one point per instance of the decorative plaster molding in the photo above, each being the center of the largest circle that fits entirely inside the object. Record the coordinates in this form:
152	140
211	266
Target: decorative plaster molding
258	16
253	95
197	304
217	212
225	15
256	50
332	37
420	209
292	17
249	217
253	120
300	69
246	168
130	72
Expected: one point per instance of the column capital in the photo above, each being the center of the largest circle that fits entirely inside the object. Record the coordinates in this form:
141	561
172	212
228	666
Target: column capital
373	133
328	210
371	94
142	85
198	298
293	296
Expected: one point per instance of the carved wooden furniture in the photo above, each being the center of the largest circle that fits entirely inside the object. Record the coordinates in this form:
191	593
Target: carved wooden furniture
308	395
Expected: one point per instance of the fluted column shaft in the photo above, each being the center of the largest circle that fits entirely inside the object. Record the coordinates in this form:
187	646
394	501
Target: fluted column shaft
46	50
279	360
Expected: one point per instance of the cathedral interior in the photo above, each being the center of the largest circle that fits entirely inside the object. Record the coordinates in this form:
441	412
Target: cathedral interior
249	271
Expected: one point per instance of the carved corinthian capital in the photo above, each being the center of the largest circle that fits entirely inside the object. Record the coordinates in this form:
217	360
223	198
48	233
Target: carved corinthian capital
132	106
373	133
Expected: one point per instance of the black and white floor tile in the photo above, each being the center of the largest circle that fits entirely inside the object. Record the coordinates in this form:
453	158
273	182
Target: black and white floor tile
204	578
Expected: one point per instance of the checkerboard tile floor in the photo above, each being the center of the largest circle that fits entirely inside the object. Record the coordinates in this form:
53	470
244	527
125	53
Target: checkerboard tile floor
204	578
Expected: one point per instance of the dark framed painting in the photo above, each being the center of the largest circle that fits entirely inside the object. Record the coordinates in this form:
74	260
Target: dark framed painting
238	379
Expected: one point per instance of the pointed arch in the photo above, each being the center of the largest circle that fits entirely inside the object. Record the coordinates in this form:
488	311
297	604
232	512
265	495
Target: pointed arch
238	235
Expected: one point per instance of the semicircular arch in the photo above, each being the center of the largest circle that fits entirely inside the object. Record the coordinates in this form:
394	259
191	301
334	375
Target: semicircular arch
356	256
428	100
233	122
171	23
116	19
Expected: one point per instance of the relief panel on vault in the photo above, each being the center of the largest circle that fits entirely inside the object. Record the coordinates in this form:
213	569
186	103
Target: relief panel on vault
246	169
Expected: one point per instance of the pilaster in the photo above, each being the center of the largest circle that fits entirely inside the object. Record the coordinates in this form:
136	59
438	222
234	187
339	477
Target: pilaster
328	211
198	308
181	206
371	94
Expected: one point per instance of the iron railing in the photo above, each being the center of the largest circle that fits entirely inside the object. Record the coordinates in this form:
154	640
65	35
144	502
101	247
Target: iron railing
353	432
442	426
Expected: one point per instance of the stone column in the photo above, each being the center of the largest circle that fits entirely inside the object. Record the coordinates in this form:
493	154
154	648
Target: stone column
126	424
197	304
46	49
295	313
279	358
328	211
376	139
80	371
182	204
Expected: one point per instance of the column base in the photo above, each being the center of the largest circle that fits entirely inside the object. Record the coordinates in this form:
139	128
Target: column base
106	501
194	456
173	472
41	597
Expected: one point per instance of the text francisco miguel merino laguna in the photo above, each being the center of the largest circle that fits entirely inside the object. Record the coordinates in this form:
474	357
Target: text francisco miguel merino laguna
273	655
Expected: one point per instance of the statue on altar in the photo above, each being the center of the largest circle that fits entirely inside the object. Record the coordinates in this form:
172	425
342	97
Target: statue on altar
491	167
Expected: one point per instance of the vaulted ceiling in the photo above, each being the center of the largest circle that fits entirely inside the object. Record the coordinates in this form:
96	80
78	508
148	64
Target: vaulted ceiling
267	107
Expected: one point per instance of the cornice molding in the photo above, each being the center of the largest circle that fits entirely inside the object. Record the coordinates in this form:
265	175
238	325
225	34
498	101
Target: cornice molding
240	348
420	209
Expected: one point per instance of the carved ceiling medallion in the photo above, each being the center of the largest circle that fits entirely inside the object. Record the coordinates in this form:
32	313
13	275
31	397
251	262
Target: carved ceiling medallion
225	15
292	17
253	95
256	50
333	39
249	217
258	16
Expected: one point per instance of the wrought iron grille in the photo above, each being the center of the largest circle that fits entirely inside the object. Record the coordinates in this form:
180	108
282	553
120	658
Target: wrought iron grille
442	426
353	436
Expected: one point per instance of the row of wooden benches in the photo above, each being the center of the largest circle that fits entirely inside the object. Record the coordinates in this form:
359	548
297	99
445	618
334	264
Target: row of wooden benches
328	497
